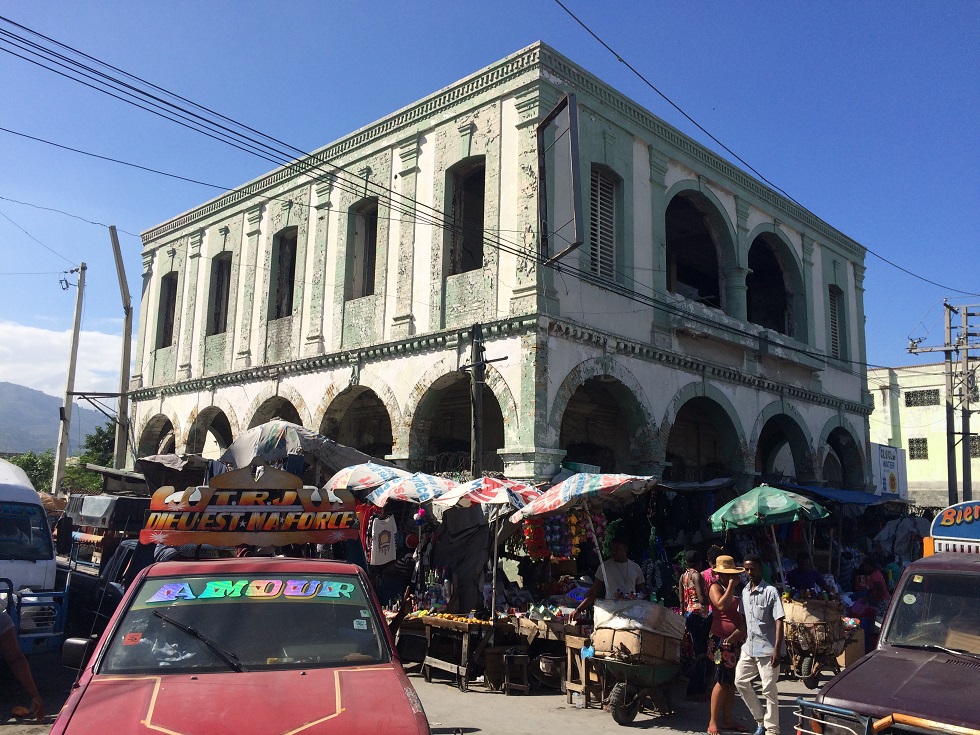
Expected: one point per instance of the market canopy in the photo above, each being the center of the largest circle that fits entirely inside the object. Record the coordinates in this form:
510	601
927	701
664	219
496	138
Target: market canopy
275	440
852	497
766	506
586	489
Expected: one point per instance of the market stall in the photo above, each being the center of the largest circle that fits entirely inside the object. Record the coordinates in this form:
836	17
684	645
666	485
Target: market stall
457	644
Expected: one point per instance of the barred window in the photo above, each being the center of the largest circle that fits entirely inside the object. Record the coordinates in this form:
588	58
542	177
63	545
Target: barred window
918	449
915	398
975	447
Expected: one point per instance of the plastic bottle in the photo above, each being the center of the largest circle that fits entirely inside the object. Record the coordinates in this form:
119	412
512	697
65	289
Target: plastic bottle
579	700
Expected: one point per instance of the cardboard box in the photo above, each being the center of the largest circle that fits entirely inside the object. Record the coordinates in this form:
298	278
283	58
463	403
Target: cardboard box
641	643
853	651
812	611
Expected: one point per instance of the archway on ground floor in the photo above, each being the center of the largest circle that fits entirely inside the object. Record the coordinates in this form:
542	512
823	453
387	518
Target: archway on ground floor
159	436
441	427
210	433
843	465
604	424
358	418
704	442
783	450
276	407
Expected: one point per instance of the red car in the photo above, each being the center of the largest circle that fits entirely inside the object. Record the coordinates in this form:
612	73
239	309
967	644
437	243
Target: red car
252	645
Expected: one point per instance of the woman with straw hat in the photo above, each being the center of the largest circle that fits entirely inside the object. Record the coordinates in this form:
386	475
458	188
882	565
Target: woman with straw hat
725	643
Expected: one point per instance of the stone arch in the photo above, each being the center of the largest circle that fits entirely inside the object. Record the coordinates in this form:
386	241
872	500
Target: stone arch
794	293
788	419
737	454
839	437
628	392
265	403
357	417
210	420
154	432
690	199
425	399
366	379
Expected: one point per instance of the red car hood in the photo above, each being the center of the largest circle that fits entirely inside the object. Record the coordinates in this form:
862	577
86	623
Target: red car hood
368	699
932	685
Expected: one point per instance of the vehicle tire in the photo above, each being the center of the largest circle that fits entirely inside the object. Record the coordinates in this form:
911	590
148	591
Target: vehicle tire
806	667
624	703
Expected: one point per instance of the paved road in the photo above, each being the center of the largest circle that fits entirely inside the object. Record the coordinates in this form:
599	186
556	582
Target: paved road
475	711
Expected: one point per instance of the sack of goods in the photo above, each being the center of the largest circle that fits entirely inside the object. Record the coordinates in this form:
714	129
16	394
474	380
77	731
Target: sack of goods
637	630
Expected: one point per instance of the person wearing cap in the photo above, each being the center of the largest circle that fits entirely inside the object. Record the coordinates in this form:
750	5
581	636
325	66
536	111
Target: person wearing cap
761	651
724	643
625	578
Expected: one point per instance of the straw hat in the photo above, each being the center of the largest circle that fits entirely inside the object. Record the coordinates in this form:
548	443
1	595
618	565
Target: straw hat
726	565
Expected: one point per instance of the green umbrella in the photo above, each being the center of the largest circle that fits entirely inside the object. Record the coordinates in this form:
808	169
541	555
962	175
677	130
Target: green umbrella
766	506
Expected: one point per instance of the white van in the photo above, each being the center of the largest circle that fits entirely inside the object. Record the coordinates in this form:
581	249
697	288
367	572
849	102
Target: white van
27	562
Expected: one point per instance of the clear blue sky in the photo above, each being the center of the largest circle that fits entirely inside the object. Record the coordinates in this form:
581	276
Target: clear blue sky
866	113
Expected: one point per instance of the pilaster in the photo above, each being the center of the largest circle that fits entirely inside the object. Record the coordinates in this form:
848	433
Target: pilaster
136	380
253	221
322	189
812	293
403	322
191	270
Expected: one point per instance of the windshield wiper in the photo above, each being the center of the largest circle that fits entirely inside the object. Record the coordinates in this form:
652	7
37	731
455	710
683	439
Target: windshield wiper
225	655
934	647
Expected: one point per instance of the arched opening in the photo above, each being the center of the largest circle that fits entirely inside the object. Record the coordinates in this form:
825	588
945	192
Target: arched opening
598	426
842	461
692	251
357	418
703	443
158	437
769	302
210	434
781	452
441	428
275	408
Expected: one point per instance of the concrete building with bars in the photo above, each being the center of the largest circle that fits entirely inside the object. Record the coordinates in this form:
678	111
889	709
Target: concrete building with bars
910	412
708	326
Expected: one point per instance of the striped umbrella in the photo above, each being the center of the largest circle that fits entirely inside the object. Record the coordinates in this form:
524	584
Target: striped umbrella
417	488
359	478
489	491
586	490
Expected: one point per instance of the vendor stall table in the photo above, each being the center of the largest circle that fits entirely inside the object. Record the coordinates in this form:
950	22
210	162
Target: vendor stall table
456	646
544	630
583	676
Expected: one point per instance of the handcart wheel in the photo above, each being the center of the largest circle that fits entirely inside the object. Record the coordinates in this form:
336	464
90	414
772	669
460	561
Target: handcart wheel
624	703
812	682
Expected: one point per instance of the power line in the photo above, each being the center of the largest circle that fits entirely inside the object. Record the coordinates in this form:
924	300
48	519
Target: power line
49	249
730	151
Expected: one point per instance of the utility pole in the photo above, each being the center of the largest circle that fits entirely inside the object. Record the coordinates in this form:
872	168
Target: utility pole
969	385
477	369
63	434
122	413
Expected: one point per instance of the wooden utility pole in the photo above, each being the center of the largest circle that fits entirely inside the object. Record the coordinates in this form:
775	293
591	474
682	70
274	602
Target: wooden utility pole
63	434
478	373
122	412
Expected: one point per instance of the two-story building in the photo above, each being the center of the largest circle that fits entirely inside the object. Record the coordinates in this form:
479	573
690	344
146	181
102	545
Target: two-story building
707	327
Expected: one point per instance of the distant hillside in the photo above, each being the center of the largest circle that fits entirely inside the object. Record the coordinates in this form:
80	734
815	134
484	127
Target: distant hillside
29	421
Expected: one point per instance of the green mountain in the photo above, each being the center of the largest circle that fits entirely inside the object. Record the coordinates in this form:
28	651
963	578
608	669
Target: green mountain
29	421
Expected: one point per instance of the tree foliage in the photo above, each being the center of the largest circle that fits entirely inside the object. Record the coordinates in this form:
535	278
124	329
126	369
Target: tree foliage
99	449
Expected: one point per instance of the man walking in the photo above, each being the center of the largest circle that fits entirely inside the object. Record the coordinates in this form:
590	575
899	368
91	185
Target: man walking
761	651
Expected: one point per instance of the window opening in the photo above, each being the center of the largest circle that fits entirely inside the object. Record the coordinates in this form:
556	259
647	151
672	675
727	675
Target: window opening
220	291
918	449
168	310
363	253
467	210
283	274
602	223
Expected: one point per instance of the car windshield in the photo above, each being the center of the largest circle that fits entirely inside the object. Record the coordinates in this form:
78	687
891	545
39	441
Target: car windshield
937	609
246	623
24	533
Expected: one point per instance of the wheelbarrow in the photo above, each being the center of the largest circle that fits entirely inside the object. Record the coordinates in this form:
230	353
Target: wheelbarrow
813	648
639	683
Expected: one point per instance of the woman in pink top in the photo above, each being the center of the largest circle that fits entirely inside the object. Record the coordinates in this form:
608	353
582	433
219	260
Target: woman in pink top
725	643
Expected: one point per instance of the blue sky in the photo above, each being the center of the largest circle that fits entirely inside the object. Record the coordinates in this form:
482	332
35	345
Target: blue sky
865	113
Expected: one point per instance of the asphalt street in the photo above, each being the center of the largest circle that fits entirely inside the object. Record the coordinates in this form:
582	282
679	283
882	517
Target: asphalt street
478	710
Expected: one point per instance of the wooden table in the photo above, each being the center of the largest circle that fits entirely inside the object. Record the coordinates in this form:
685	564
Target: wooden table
455	646
544	630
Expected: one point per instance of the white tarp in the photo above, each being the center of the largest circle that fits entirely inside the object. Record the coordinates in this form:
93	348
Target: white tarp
638	615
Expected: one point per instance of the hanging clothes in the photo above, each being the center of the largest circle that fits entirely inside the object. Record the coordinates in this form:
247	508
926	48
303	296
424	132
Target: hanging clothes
382	541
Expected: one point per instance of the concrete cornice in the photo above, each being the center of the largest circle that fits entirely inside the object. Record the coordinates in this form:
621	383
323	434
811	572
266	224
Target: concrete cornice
543	64
343	358
618	346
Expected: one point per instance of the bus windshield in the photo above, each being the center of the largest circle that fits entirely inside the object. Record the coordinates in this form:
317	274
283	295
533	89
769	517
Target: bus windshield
24	533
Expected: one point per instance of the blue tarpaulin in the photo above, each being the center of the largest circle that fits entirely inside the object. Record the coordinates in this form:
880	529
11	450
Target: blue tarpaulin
854	497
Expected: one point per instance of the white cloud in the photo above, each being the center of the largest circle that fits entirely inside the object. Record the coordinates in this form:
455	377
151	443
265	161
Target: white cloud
38	358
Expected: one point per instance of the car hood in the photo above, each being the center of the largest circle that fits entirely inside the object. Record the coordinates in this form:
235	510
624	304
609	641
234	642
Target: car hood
366	699
932	685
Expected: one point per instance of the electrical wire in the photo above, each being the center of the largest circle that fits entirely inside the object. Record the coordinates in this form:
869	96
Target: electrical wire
49	249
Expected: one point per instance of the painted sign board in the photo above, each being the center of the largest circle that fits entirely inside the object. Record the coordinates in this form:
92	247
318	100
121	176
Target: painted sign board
273	509
888	471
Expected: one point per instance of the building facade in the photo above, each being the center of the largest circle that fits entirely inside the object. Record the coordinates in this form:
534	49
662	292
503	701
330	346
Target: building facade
910	412
708	327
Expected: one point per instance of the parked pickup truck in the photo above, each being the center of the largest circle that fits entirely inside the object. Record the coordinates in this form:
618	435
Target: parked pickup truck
924	674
